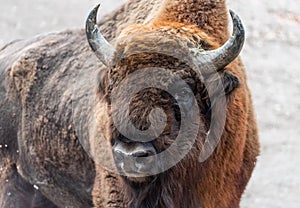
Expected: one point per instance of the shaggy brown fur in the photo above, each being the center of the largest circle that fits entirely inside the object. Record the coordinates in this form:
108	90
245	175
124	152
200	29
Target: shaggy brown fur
220	180
209	16
46	89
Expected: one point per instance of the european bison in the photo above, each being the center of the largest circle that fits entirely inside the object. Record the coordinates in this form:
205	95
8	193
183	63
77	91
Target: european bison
164	119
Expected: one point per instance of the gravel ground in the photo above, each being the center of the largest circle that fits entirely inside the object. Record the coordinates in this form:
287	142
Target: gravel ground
270	54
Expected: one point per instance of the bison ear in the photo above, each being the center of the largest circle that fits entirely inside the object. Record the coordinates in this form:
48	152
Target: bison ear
230	82
102	81
222	82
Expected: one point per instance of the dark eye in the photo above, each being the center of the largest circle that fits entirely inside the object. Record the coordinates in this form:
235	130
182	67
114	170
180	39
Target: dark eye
184	95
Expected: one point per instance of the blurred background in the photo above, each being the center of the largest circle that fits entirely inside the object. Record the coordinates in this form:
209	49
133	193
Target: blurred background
271	55
24	19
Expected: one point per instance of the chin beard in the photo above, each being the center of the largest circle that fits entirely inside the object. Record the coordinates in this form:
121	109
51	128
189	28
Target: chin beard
167	189
135	181
147	192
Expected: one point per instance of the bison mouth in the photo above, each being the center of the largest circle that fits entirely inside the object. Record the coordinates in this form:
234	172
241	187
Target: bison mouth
135	161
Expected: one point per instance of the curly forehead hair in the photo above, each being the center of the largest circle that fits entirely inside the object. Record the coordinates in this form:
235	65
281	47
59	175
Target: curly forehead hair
186	32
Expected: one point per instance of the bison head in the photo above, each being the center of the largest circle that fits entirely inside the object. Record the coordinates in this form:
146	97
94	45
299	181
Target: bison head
166	86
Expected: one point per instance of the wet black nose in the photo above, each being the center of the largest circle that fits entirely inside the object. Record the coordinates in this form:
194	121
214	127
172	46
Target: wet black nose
134	157
134	149
143	153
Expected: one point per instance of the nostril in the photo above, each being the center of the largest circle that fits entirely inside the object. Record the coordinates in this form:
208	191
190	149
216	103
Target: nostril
119	156
124	139
113	142
143	153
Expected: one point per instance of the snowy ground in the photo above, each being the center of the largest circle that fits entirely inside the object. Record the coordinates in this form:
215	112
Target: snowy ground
271	54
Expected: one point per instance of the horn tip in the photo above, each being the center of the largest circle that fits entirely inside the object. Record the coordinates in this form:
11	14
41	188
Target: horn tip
93	13
232	13
237	22
96	8
234	16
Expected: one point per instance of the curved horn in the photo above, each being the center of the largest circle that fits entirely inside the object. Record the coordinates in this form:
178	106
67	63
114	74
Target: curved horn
103	50
217	59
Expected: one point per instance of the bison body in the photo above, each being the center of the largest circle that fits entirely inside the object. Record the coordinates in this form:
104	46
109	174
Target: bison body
55	125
